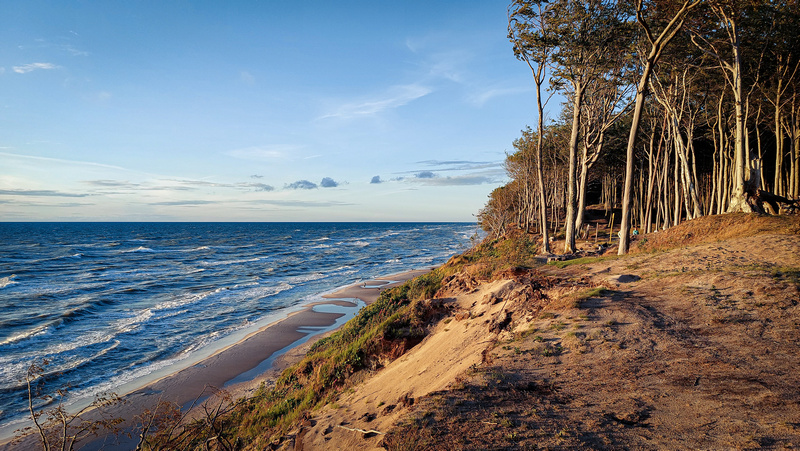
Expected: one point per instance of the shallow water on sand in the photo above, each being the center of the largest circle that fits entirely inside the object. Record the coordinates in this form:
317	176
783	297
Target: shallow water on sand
107	303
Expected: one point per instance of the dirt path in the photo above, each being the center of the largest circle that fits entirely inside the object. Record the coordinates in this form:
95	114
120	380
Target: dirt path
693	348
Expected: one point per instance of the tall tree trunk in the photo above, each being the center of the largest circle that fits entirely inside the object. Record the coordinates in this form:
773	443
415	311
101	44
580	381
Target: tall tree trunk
539	170
657	47
577	101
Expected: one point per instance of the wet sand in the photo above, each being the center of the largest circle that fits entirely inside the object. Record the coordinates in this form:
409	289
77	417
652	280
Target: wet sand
242	367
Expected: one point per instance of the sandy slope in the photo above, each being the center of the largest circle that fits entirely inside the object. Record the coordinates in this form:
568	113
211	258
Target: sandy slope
452	348
696	347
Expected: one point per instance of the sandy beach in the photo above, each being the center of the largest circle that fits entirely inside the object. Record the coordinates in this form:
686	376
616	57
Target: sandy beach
240	368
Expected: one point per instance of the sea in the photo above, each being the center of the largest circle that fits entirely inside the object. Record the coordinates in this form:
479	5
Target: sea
110	304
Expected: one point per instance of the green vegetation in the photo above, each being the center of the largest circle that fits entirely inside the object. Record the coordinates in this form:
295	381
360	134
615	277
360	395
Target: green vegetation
385	329
517	249
787	273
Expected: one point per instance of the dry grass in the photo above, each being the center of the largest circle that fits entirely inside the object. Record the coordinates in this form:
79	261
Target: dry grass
710	229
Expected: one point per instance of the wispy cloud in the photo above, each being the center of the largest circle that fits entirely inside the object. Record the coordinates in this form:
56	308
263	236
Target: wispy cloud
394	97
111	184
73	51
301	203
459	180
257	186
247	78
196	184
460	165
25	68
38	193
481	97
263	153
61	161
184	203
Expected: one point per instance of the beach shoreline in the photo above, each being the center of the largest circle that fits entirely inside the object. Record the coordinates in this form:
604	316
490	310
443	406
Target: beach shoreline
241	367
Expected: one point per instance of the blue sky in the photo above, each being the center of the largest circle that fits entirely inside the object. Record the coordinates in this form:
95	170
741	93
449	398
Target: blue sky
256	110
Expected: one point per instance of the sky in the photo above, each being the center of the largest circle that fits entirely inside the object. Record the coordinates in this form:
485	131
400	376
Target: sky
256	110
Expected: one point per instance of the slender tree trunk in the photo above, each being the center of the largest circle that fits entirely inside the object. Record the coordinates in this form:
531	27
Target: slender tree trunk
539	170
582	180
794	178
676	212
657	46
577	101
641	93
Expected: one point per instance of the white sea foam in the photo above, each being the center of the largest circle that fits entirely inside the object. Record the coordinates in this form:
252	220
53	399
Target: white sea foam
139	249
187	299
36	331
263	291
231	262
133	322
359	243
8	280
307	277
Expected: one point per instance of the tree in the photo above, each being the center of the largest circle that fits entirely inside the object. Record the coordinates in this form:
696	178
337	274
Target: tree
528	31
586	34
58	429
657	46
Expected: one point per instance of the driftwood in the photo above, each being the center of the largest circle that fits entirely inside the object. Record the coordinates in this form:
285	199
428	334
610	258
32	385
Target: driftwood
773	200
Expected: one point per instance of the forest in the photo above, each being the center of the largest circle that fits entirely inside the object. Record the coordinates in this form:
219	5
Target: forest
672	109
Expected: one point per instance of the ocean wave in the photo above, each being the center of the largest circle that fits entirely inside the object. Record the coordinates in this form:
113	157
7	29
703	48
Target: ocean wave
264	291
307	277
359	243
30	333
138	249
8	280
66	348
187	299
62	356
231	262
131	323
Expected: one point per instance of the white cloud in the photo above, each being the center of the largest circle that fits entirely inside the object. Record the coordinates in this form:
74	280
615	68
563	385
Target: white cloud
61	161
394	97
25	68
